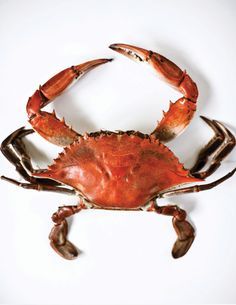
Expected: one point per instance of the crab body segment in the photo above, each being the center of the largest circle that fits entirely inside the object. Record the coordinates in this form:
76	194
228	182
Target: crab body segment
125	170
118	170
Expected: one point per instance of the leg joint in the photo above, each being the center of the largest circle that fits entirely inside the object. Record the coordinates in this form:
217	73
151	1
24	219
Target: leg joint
64	212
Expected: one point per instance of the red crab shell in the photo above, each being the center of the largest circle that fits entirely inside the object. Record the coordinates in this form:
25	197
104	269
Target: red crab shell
118	170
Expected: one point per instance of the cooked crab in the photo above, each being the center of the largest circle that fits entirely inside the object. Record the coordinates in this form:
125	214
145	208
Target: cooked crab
118	170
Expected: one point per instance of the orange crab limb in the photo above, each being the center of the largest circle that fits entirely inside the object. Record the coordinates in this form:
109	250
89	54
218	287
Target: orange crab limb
47	124
181	112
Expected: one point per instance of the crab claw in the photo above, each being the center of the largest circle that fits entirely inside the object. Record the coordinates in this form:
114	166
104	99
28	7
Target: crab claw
134	53
180	113
166	69
47	124
58	83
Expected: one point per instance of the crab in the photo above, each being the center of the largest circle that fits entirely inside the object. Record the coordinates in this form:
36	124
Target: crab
123	170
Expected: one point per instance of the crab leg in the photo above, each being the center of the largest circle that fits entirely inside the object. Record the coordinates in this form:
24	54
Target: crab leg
11	155
14	150
40	186
221	144
183	229
181	112
196	188
58	235
47	124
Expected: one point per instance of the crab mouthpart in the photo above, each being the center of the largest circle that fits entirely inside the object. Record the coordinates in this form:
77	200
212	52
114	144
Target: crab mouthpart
132	52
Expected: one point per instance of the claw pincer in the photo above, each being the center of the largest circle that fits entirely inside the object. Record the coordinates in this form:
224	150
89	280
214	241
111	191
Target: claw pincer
180	113
47	124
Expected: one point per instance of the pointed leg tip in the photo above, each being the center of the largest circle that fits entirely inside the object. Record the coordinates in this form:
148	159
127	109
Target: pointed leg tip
214	124
21	132
233	171
204	118
21	128
26	132
210	122
219	124
13	181
2	177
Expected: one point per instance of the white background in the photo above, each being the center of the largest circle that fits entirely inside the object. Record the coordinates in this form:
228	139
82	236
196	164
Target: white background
125	256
